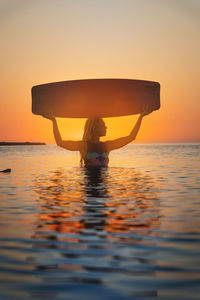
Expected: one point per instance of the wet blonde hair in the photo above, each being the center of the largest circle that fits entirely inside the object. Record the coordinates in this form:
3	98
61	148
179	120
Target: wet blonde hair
91	125
89	129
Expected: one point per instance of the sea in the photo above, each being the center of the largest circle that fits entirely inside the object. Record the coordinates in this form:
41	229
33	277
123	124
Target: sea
129	231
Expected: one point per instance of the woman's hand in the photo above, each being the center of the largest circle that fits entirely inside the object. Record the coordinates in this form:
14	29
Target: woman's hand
49	116
146	111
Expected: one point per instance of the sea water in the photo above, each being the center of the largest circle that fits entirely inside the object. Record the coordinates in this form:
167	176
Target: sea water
130	231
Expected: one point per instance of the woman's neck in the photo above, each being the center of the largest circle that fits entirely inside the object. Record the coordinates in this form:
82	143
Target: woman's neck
95	139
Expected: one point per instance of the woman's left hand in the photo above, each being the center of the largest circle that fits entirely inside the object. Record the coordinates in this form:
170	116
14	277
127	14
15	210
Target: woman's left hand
49	116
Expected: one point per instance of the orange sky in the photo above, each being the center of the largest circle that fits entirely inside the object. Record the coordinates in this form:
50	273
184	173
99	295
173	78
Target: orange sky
47	41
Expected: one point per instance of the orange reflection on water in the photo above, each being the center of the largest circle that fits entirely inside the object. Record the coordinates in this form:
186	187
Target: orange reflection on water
102	200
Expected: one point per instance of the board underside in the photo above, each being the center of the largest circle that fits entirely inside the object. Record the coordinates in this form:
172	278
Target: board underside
88	98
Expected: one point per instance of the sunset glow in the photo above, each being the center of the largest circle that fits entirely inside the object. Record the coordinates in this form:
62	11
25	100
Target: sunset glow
149	40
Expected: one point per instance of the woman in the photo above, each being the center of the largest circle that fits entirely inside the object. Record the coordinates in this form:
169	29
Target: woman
93	152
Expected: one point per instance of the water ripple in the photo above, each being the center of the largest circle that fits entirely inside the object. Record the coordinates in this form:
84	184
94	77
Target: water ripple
128	232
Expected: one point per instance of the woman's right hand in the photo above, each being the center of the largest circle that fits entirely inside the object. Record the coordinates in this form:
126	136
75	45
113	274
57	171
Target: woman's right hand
146	111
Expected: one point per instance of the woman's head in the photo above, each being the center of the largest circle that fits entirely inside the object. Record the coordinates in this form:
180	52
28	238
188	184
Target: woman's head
94	128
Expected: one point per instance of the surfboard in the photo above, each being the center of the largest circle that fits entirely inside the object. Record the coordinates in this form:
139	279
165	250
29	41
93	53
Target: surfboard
87	98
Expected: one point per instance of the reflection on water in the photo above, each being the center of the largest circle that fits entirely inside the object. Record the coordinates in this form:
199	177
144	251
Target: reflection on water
97	199
128	232
97	213
94	194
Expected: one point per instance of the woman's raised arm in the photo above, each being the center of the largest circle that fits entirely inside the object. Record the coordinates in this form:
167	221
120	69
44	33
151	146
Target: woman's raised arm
68	145
123	141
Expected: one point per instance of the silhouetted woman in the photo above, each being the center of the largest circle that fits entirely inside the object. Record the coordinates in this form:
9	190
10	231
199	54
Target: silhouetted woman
94	152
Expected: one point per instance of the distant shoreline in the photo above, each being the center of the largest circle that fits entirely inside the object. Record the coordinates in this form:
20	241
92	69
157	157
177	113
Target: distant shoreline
20	144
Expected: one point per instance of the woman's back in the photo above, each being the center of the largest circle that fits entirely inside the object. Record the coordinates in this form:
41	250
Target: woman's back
96	154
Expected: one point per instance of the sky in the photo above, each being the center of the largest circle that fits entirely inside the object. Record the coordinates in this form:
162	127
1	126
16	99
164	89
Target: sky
56	40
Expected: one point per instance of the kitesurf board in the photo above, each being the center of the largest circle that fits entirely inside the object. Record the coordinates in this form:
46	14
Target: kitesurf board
95	98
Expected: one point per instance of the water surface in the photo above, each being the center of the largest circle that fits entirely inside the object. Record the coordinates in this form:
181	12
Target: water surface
130	231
